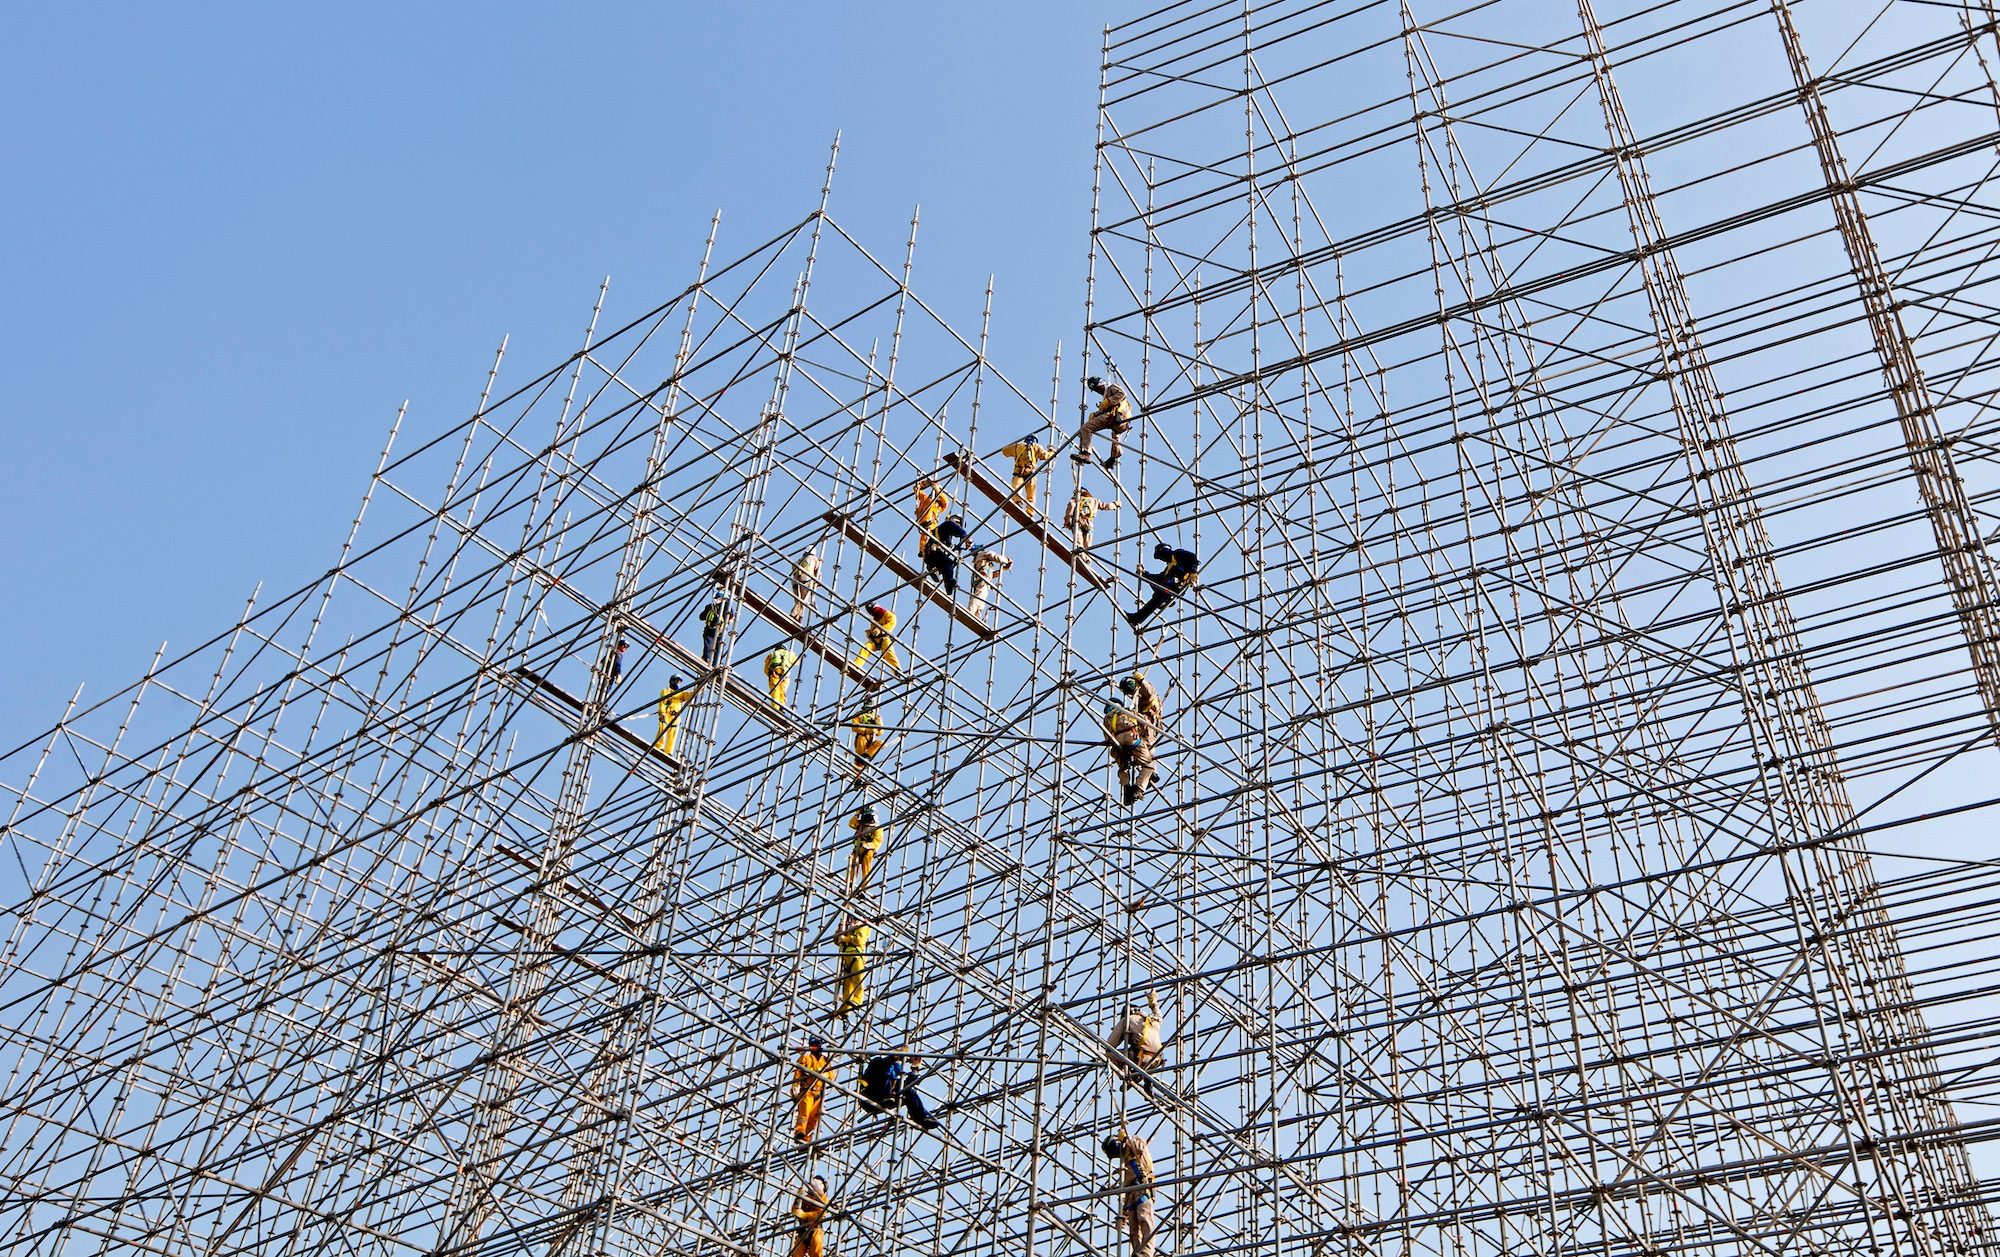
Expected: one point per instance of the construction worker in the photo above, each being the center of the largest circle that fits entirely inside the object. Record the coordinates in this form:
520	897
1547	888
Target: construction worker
1113	415
868	737
1136	1164
618	649
987	564
1146	701
887	1081
932	503
870	837
778	673
941	563
879	639
1175	577
672	699
810	1207
714	622
805	584
952	532
1131	749
809	1078
853	944
1081	513
1136	1037
1028	456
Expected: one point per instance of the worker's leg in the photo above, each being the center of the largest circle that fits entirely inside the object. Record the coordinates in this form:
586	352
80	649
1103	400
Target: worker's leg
807	1121
867	867
1140	1225
1161	597
975	606
890	657
778	689
1023	488
914	1105
665	742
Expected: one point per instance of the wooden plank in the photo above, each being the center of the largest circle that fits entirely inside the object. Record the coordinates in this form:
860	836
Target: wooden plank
838	658
1056	544
909	574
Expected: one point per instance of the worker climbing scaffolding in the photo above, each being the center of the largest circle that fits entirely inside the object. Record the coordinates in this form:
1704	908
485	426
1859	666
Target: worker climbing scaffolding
870	836
891	1080
1176	576
809	1078
1135	1037
852	942
1028	455
868	738
715	619
672	699
932	503
879	638
941	564
809	1212
778	667
1113	415
1135	1163
1125	732
1145	699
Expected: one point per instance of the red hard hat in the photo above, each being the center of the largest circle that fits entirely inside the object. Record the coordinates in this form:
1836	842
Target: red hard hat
877	609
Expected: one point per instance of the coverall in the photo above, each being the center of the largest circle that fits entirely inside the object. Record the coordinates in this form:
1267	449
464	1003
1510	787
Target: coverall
805	581
1081	513
810	1209
1028	456
986	568
932	503
853	944
1113	415
887	1081
713	620
868	739
778	673
1139	1034
1168	583
1137	1164
1146	699
869	839
1135	763
879	640
941	563
671	702
809	1080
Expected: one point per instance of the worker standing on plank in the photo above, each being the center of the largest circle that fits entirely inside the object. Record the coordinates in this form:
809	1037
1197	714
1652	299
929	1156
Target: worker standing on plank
809	1208
778	672
987	564
879	639
853	944
672	699
1028	456
1113	415
1136	1166
1081	513
870	836
805	584
809	1078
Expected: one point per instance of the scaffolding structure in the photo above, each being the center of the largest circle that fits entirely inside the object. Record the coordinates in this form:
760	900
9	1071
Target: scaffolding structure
1583	416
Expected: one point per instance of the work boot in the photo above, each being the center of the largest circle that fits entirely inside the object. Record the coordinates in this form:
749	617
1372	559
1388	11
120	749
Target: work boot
1080	457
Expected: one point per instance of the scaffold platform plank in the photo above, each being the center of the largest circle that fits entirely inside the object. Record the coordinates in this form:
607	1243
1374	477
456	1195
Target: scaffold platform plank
1033	521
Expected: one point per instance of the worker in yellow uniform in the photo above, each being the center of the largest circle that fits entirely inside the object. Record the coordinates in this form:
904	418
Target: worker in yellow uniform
778	673
809	1078
1146	700
1136	1164
809	1209
868	737
932	503
1028	455
879	638
672	699
1113	415
1136	1037
853	944
870	836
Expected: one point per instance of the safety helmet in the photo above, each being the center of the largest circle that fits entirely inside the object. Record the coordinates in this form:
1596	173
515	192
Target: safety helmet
1161	550
1112	706
978	548
866	815
1130	685
877	610
954	518
1113	1145
1093	382
673	683
813	1041
1028	439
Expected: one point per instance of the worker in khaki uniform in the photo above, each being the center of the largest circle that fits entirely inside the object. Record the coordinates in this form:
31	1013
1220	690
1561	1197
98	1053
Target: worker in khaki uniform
805	583
809	1208
853	945
1081	514
869	838
809	1078
1131	749
1136	1164
672	699
778	673
1136	1037
1113	415
1145	699
1028	455
932	503
868	738
987	565
879	639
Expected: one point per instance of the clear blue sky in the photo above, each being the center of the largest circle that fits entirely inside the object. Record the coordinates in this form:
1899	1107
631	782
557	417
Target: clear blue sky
239	235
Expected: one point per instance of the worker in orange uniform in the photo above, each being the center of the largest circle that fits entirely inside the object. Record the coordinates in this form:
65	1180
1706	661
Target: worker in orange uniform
868	738
870	836
809	1208
853	944
809	1078
672	699
932	503
1028	455
1136	1165
879	639
1113	415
